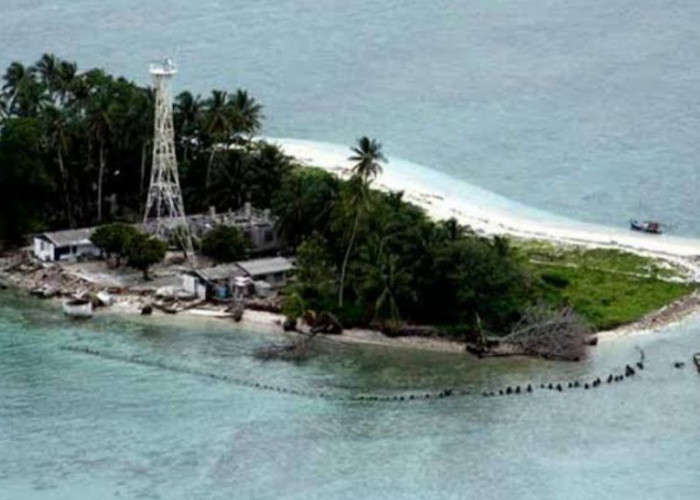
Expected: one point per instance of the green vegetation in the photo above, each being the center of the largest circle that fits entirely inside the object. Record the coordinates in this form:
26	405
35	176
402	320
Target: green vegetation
607	287
113	239
75	151
81	143
143	251
224	244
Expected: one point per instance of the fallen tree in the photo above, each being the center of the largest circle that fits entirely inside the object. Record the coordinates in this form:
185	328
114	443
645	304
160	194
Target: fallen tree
543	332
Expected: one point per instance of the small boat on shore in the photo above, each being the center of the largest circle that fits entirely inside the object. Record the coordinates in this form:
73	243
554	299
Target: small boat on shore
651	227
78	308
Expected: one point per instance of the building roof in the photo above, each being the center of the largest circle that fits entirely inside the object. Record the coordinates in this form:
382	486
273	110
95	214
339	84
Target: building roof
69	237
258	267
221	272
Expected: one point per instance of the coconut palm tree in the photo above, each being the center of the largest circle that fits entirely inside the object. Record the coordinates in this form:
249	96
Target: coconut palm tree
67	76
188	112
4	110
141	112
218	125
247	113
25	94
368	156
100	124
15	75
56	122
48	69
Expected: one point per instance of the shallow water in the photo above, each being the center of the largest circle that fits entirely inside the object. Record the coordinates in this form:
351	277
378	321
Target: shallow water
76	424
587	109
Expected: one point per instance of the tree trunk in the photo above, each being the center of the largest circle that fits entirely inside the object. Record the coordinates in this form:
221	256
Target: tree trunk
143	173
66	195
146	277
207	181
347	258
100	177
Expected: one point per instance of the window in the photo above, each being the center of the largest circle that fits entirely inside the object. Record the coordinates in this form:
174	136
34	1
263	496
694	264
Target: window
269	236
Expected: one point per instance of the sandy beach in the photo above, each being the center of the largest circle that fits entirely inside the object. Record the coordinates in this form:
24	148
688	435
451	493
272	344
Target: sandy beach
490	214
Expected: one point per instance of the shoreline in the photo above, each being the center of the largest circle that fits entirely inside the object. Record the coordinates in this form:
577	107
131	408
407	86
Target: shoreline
129	304
497	219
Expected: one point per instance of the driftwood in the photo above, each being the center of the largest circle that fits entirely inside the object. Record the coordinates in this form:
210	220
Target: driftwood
327	323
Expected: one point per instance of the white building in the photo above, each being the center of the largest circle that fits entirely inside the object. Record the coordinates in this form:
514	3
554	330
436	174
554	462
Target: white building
71	244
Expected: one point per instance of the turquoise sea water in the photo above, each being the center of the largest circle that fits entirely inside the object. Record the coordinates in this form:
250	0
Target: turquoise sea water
587	109
581	109
153	416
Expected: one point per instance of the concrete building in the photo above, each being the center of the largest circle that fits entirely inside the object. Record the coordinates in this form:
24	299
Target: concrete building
71	245
257	225
275	271
239	279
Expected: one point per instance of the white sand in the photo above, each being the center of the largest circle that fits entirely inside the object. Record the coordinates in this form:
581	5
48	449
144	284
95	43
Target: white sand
493	217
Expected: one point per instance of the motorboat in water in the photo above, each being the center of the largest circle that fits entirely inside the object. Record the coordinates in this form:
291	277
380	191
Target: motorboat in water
645	226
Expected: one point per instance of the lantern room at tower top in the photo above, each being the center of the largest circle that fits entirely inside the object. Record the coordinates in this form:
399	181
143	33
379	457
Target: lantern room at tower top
163	68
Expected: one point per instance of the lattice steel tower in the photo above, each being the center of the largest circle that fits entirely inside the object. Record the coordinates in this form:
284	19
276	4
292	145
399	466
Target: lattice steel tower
165	210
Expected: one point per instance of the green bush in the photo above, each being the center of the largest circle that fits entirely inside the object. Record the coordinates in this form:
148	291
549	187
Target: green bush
225	244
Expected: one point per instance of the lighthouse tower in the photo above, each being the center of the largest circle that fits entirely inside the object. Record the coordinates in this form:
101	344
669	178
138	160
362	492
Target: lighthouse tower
165	210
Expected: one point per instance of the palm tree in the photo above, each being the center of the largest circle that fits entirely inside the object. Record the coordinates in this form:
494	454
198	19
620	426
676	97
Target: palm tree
137	127
217	123
48	68
15	75
24	92
66	78
57	123
247	113
99	120
188	111
368	157
4	110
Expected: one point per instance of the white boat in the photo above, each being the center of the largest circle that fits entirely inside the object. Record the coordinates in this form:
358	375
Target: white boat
78	308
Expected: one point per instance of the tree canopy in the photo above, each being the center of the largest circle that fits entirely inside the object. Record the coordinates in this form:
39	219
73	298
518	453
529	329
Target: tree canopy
225	244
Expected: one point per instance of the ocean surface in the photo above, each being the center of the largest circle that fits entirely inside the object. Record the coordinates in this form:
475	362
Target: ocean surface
588	110
585	109
169	410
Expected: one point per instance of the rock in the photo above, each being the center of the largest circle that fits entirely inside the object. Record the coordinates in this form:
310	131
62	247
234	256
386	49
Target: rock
629	371
146	310
591	341
237	314
289	325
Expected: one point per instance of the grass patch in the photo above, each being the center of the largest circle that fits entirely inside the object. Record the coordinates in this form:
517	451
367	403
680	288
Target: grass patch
609	288
608	300
609	260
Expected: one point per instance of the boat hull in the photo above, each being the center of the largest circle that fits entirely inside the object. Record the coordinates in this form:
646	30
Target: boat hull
78	308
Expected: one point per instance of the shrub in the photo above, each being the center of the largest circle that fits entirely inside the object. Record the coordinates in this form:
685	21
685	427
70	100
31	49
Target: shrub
225	244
